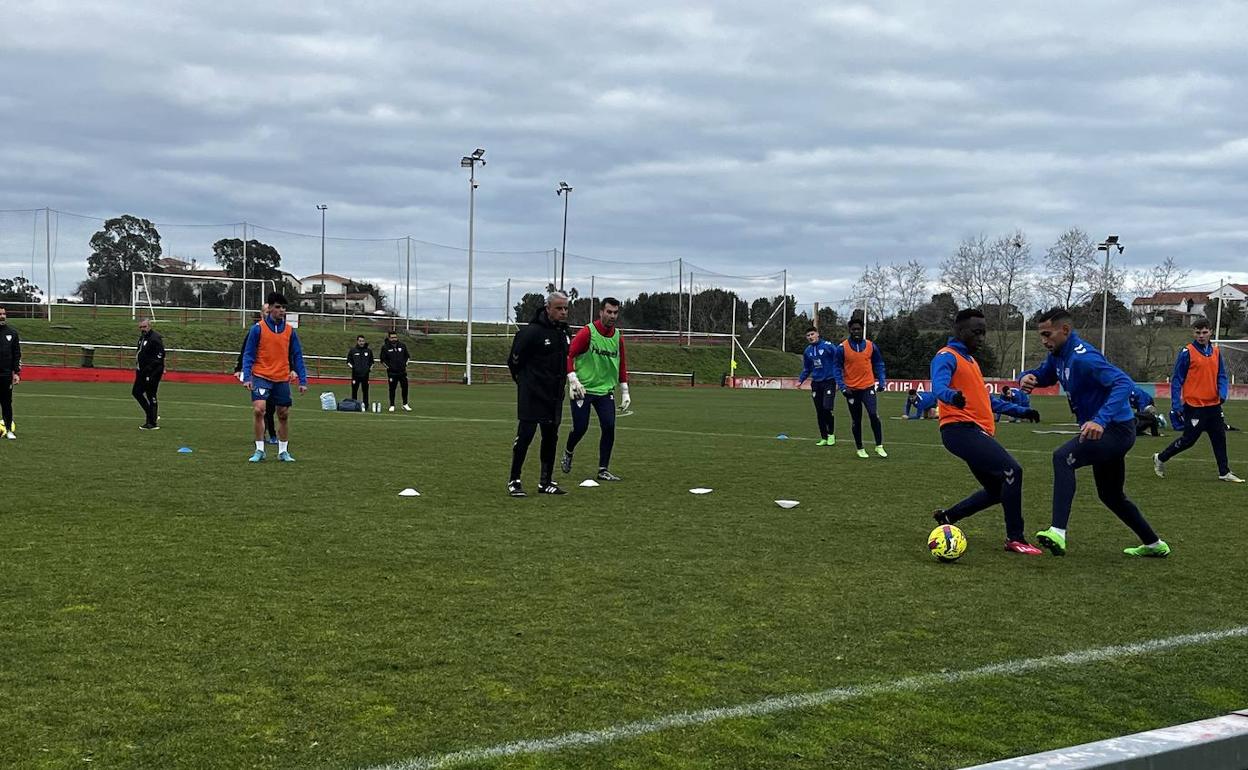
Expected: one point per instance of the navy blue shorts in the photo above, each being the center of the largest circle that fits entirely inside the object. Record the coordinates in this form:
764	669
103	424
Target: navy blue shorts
276	393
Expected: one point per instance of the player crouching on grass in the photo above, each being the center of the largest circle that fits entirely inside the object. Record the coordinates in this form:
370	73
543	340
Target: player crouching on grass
271	351
1099	393
967	427
596	368
922	404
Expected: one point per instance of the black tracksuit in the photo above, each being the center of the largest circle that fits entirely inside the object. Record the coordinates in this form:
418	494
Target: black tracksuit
539	365
10	364
149	368
395	356
360	359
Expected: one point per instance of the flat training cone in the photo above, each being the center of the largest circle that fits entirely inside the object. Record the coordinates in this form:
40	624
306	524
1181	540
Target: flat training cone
409	492
701	491
589	483
786	504
186	450
782	437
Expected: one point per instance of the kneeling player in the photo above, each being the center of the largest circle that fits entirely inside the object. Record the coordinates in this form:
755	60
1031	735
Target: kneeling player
923	404
967	427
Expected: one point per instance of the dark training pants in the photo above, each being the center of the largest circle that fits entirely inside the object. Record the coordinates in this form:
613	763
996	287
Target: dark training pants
994	468
604	405
395	381
1198	420
144	391
1107	456
823	396
362	382
6	398
520	447
858	399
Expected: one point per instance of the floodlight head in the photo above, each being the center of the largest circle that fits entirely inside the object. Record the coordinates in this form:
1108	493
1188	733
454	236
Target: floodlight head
477	153
1112	239
465	162
1120	248
321	207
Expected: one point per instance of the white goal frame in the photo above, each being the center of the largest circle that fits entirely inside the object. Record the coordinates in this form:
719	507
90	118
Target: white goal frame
138	281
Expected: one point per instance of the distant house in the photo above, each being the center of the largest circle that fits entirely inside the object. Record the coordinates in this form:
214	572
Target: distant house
1179	307
1183	307
324	283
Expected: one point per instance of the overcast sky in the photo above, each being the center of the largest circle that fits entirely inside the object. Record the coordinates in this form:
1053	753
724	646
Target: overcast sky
743	137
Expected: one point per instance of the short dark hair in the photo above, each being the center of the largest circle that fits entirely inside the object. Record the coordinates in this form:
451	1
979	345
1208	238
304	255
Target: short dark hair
967	314
359	336
392	331
814	329
1202	323
855	321
913	391
275	298
608	301
1056	315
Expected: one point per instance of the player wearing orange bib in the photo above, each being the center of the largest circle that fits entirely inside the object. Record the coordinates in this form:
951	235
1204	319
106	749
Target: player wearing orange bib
1198	388
967	426
859	371
271	351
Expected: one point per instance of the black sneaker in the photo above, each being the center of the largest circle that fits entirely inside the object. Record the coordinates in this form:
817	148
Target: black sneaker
606	475
149	426
941	517
550	488
565	462
514	489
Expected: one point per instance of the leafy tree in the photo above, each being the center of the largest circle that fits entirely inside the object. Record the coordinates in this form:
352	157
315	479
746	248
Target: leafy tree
125	245
938	313
263	261
18	289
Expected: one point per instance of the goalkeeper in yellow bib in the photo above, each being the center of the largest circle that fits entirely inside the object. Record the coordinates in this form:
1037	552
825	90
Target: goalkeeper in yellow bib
596	369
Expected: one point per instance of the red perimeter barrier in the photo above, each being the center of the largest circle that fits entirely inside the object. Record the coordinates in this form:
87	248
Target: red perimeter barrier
77	374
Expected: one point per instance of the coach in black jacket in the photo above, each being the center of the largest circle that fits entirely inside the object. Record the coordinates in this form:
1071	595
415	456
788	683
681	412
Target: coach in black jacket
149	368
395	356
10	371
539	365
360	359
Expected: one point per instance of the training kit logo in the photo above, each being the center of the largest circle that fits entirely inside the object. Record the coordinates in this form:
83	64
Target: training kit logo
1070	459
1081	349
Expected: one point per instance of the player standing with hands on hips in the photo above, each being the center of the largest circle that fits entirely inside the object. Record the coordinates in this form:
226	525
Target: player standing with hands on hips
271	352
10	372
596	369
1099	394
859	371
818	363
539	365
149	368
1198	388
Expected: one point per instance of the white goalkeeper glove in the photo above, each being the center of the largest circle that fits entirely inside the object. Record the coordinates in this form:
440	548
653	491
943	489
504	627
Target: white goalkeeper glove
576	391
625	400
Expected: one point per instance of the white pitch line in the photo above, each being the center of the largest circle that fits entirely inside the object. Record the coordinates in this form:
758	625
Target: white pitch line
797	701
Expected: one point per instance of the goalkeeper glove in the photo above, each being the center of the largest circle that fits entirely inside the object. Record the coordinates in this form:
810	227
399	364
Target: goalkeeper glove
625	400
575	389
958	399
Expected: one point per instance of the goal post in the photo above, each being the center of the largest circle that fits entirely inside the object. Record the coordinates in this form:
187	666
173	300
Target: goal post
153	294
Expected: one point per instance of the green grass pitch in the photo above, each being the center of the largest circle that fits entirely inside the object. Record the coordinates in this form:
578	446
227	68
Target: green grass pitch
169	610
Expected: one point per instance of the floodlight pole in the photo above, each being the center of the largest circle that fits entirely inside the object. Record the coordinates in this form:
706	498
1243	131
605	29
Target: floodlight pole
565	191
321	208
407	326
784	314
243	292
1110	242
47	246
470	162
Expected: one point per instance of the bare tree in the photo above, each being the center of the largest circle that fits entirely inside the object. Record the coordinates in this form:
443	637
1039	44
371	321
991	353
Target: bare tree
1070	270
1166	276
1007	291
874	290
965	273
909	282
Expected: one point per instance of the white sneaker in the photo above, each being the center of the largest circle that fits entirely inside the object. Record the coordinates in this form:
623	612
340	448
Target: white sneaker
391	409
1159	467
9	435
1228	477
407	408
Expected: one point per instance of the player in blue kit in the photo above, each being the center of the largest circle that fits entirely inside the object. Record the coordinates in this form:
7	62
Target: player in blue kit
817	364
1099	393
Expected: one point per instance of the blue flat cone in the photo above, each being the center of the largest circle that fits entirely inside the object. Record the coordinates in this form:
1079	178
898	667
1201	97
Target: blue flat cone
783	436
186	450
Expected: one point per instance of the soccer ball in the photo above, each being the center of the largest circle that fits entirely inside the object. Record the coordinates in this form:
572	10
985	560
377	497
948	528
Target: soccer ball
947	543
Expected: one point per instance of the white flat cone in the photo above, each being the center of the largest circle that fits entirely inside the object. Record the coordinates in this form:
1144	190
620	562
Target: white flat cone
590	483
409	492
701	491
787	503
